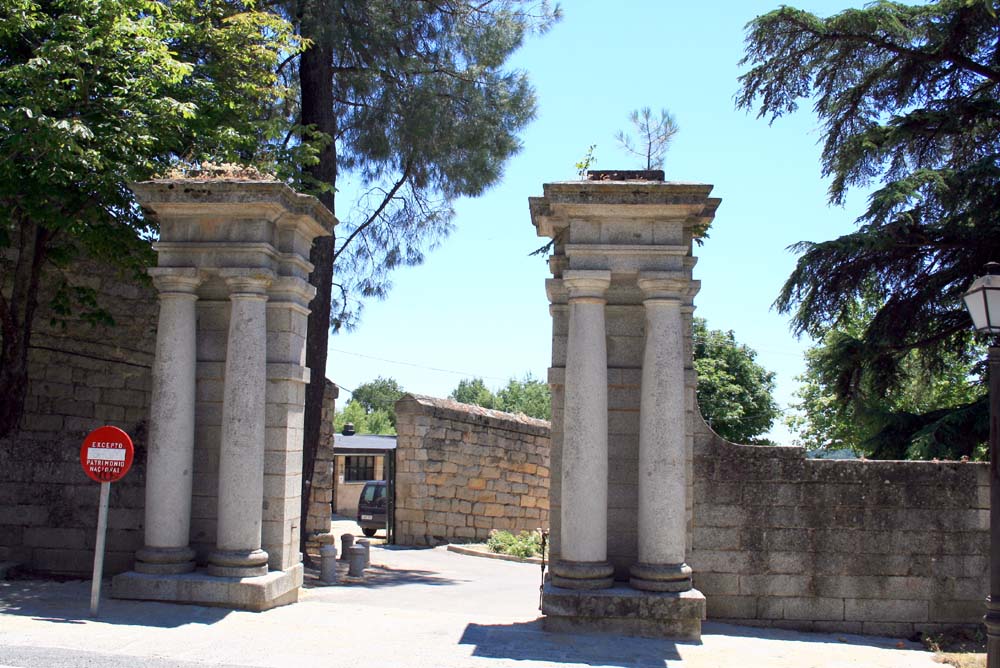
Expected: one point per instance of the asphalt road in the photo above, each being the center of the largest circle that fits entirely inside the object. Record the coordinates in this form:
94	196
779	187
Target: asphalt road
418	609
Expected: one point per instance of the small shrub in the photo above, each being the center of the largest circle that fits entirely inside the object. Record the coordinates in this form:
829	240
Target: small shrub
524	544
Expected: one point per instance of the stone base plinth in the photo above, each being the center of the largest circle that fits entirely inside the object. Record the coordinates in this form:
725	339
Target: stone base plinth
256	593
624	611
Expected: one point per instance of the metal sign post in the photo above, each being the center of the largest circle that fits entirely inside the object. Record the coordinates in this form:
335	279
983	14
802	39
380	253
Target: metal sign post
106	456
102	532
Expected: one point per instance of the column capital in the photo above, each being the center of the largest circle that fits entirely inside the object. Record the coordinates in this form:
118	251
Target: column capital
586	284
662	285
247	281
176	280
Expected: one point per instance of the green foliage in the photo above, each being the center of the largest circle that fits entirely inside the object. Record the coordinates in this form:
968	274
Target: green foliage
932	410
525	544
653	136
474	391
586	162
378	421
734	392
528	396
95	94
425	110
379	395
909	96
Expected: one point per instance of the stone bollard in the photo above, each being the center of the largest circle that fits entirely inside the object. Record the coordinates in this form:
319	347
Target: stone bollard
346	540
365	543
356	561
328	564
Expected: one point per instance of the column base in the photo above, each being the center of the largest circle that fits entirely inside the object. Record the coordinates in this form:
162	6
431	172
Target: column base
582	574
624	611
198	588
164	560
660	577
237	563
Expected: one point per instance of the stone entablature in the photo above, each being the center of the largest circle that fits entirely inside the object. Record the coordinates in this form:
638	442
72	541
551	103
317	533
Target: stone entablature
623	392
224	475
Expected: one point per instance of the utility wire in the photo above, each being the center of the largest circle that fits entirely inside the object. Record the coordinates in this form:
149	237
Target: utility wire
467	374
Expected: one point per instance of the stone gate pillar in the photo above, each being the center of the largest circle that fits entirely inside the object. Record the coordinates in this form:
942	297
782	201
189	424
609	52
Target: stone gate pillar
171	426
634	232
584	556
224	475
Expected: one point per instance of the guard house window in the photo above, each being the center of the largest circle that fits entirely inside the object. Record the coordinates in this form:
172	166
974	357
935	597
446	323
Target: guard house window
359	469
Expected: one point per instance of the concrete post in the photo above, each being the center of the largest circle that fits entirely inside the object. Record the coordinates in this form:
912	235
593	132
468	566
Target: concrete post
241	455
328	564
584	513
171	427
662	521
346	541
356	561
367	546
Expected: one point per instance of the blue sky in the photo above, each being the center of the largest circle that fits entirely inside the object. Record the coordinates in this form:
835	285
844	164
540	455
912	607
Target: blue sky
477	306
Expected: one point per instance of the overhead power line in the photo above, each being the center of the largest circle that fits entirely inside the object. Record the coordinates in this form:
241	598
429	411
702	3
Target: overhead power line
467	374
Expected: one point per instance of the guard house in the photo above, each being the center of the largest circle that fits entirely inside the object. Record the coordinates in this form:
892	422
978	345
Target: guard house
359	458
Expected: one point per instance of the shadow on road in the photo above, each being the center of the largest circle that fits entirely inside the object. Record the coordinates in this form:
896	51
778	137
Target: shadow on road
69	603
527	641
720	629
381	576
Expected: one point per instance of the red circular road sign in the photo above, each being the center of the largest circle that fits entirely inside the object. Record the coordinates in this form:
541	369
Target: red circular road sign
106	454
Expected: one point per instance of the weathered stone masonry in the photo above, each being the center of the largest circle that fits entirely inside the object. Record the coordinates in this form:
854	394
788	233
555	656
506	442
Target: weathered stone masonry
462	471
80	377
876	547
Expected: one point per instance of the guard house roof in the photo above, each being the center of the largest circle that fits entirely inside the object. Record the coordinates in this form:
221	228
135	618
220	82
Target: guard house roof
363	444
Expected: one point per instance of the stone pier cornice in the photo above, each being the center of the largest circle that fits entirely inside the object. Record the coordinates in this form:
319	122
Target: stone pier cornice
635	200
235	198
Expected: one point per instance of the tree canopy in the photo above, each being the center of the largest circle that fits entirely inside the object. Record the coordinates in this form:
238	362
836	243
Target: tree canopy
95	94
380	394
379	421
414	104
734	392
931	413
909	98
528	396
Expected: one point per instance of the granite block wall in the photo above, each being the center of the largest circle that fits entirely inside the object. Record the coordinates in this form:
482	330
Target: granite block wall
462	471
875	547
81	376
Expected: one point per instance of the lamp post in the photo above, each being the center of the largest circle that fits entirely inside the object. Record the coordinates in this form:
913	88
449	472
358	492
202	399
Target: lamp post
983	302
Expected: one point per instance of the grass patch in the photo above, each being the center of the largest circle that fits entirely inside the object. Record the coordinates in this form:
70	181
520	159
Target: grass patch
961	648
524	544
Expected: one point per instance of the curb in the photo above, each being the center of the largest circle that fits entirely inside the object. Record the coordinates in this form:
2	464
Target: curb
472	552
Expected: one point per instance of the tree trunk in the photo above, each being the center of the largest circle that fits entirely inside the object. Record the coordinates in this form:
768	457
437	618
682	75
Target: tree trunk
316	81
16	316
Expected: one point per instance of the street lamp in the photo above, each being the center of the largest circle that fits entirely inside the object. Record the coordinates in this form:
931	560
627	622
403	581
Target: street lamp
983	302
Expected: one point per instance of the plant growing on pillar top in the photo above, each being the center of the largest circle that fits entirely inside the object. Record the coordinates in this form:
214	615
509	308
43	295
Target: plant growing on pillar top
652	138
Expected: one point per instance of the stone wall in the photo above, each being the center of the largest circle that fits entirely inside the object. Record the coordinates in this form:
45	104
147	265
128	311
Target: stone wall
875	547
462	471
80	377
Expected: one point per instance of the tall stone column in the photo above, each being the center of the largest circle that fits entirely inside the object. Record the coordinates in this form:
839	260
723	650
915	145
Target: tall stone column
241	456
171	427
662	521
583	562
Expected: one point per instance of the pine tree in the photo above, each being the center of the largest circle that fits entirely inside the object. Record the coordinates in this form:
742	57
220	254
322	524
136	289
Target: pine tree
909	98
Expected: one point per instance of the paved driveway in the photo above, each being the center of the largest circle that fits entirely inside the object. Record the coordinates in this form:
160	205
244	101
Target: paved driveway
420	608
